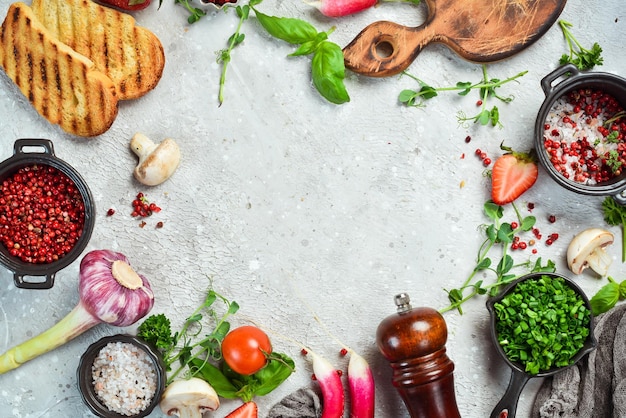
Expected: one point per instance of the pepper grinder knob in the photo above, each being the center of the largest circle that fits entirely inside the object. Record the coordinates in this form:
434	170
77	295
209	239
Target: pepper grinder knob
413	341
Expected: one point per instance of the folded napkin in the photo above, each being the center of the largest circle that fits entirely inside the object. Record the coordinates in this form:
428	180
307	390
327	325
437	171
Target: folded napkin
303	403
596	386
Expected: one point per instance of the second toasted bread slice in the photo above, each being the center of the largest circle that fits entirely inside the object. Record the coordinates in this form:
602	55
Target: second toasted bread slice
131	55
61	84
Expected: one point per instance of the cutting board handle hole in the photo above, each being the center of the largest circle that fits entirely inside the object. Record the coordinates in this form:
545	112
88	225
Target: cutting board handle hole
383	49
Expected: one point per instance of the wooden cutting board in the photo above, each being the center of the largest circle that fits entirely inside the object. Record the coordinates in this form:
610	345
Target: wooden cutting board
480	31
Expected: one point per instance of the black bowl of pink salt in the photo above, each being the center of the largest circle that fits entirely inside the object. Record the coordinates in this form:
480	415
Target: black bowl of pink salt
47	214
121	376
580	131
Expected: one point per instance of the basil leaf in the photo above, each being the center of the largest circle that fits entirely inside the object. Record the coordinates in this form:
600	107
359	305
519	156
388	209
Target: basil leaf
605	299
215	378
277	370
328	71
294	31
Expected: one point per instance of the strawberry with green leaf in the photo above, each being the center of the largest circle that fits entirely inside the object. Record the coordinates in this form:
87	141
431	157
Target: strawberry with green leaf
512	174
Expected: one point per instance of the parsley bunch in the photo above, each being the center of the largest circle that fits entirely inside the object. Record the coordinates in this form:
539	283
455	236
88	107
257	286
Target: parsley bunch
581	57
615	214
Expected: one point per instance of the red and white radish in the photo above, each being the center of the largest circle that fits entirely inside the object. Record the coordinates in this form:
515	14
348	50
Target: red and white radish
339	8
361	384
331	387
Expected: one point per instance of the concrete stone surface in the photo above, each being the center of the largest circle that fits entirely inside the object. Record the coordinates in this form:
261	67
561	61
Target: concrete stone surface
312	216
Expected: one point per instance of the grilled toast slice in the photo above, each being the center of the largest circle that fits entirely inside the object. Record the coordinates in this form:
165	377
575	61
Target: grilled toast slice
131	55
62	85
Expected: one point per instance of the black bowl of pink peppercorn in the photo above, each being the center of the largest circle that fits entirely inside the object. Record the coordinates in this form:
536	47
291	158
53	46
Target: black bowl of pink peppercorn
47	214
580	131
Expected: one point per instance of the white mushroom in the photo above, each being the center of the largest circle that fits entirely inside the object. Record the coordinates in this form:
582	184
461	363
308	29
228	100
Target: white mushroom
189	398
587	249
157	162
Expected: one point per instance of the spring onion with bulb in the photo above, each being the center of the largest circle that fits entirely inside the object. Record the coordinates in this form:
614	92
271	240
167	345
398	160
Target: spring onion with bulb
110	292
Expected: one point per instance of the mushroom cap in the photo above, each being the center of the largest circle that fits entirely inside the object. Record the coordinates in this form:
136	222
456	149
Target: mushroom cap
157	162
189	398
584	245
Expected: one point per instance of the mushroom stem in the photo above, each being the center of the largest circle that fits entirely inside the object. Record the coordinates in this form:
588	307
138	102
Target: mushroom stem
587	249
600	261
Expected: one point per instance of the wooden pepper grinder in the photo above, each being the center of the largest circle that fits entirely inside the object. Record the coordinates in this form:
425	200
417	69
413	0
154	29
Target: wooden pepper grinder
413	341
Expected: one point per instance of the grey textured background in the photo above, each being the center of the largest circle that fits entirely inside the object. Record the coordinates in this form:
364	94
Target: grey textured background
282	196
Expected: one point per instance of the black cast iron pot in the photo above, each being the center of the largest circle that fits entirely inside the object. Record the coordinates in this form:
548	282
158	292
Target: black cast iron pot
575	79
27	152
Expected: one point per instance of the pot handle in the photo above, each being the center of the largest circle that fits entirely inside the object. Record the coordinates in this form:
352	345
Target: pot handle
620	197
24	284
508	404
546	82
20	145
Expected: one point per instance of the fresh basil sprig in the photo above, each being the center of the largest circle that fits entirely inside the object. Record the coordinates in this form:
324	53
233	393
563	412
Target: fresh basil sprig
607	297
327	65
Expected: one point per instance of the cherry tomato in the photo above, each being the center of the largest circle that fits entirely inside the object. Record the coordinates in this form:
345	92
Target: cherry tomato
245	349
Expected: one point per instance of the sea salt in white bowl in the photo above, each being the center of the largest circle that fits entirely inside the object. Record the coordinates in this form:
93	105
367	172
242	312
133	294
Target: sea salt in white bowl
121	376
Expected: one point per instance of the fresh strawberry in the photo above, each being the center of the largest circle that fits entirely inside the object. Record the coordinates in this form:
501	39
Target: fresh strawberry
512	175
128	5
247	410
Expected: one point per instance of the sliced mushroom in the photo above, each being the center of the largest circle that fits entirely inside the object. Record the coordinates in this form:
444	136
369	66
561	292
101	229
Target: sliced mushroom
189	398
157	162
587	249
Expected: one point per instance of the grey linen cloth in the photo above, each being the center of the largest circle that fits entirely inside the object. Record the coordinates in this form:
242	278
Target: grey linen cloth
596	386
303	403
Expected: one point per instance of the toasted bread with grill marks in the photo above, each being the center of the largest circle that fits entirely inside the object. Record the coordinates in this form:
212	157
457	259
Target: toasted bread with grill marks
131	55
61	84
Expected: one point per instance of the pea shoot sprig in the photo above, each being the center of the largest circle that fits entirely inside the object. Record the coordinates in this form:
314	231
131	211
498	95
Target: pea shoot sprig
497	234
234	40
486	87
581	57
186	345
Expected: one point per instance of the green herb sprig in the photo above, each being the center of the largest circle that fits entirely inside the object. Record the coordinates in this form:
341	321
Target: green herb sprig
195	13
486	87
188	344
497	234
615	214
607	297
581	57
542	323
234	40
327	64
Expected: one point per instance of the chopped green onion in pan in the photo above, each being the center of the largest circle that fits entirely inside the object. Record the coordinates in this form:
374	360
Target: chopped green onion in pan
542	323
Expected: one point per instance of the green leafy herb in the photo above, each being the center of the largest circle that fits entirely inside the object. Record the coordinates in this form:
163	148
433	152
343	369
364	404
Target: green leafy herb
189	344
542	323
497	234
615	214
581	57
237	38
327	65
613	160
229	384
156	329
486	87
195	13
608	296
